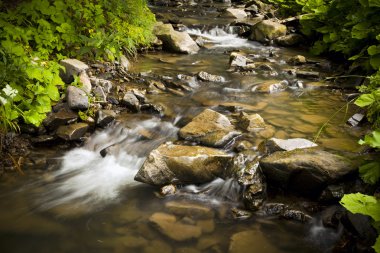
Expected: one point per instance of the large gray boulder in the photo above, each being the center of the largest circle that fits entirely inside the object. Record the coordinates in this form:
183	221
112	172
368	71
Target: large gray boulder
305	170
73	67
77	99
209	128
234	13
179	164
267	30
173	41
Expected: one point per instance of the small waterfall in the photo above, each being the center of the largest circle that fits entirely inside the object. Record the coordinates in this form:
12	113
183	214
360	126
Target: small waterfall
94	175
224	38
324	237
216	192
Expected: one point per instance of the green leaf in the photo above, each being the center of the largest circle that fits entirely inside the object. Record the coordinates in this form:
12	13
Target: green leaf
33	117
363	204
374	3
365	100
375	61
370	172
52	92
372	50
376	247
372	140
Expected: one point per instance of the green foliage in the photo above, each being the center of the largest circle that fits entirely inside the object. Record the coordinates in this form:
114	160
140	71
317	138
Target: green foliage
370	172
367	205
364	204
36	34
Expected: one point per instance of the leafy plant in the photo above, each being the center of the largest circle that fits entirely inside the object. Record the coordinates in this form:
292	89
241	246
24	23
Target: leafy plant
36	34
367	205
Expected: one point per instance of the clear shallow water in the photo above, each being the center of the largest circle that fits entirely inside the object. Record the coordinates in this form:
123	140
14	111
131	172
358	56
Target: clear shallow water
91	203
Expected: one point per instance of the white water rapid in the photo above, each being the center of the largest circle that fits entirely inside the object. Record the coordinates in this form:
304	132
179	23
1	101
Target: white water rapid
94	175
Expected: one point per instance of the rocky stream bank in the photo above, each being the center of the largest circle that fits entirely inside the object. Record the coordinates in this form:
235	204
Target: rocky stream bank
257	158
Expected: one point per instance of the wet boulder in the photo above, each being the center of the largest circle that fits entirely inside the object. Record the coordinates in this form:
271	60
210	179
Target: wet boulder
248	174
131	101
77	99
209	128
297	60
177	42
306	171
290	40
206	77
307	74
234	13
104	117
168	225
251	122
73	67
57	119
271	86
179	164
72	132
272	145
238	60
267	30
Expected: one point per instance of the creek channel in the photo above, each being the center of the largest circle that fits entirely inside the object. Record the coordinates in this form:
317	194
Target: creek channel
90	203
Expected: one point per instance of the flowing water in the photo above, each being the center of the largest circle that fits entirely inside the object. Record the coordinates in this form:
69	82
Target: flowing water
87	200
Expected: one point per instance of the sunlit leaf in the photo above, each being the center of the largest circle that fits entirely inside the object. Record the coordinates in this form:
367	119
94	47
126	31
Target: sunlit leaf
364	204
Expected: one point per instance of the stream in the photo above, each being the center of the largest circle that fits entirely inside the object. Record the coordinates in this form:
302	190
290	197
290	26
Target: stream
84	202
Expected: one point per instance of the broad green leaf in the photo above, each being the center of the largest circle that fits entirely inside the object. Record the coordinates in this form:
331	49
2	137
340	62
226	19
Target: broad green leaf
374	3
35	73
372	50
375	61
370	172
52	92
365	100
372	140
33	117
44	104
376	247
363	204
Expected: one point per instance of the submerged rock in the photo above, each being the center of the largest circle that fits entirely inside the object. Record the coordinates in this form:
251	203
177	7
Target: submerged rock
204	76
252	239
169	226
179	164
272	145
267	30
305	170
177	42
188	209
209	128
